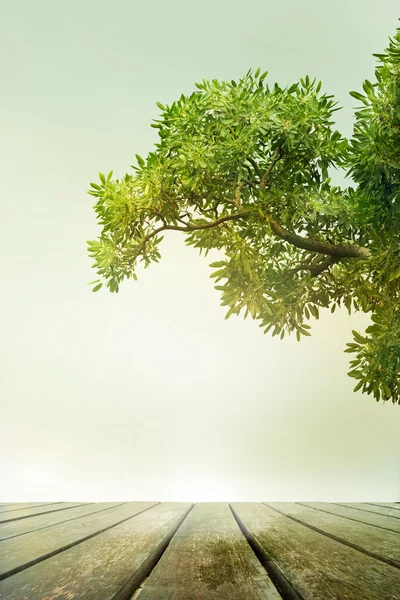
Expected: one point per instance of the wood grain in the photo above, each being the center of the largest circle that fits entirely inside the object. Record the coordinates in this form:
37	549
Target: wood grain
24	513
20	552
384	545
357	515
380	510
109	566
392	505
14	528
209	559
21	505
318	567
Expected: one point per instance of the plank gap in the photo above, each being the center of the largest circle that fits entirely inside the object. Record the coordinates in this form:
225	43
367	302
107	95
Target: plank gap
39	513
283	585
52	523
388	561
368	510
25	506
328	512
39	559
385	505
136	581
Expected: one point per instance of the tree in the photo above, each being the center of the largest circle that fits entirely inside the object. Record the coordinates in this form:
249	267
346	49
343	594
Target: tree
243	168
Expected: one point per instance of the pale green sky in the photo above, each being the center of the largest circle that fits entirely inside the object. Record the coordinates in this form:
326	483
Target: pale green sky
151	394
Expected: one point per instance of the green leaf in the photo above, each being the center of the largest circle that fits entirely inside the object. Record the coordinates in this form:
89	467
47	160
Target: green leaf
304	332
96	289
380	56
359	338
373	329
387	390
355	374
220	263
358	96
395	275
358	386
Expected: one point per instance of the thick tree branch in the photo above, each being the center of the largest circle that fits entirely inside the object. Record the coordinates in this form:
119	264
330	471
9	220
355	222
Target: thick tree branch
334	251
337	250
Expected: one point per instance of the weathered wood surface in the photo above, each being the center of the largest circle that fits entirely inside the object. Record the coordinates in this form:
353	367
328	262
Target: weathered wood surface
21	505
209	558
383	545
316	566
20	552
391	505
23	513
356	514
14	528
108	566
379	510
255	553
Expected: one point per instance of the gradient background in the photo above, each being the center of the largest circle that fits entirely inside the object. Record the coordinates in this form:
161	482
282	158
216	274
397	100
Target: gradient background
151	394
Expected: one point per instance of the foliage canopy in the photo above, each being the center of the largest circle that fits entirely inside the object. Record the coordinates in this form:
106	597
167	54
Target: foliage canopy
242	167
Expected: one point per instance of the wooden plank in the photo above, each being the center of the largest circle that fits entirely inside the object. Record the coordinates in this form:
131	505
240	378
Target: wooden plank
209	558
316	566
392	505
14	528
22	551
20	505
382	544
380	510
29	512
108	566
357	515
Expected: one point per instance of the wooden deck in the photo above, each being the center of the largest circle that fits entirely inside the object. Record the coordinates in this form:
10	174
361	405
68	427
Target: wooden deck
206	551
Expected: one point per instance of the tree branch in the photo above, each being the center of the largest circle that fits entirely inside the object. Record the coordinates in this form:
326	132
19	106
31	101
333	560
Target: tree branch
238	202
255	166
334	250
276	156
337	250
187	228
317	267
